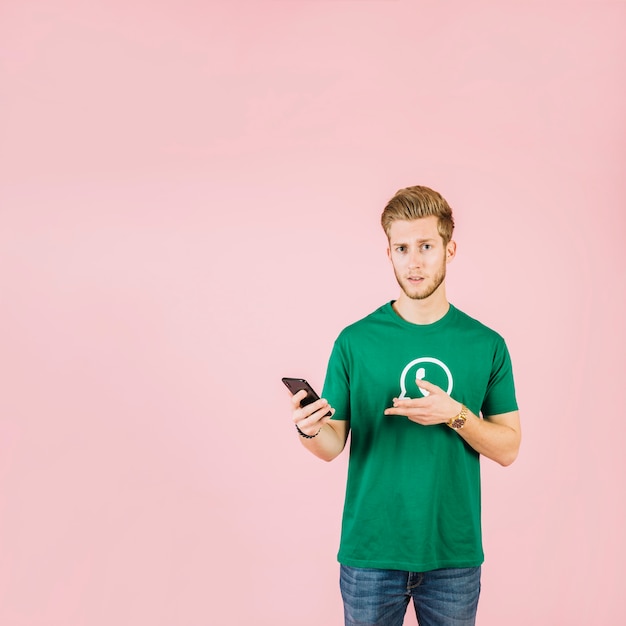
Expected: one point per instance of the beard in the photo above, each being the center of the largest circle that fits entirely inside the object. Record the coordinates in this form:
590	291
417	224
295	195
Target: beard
424	290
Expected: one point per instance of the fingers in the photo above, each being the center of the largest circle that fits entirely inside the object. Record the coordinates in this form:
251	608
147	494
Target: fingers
413	408
411	403
418	415
305	411
297	398
434	409
404	410
314	411
312	417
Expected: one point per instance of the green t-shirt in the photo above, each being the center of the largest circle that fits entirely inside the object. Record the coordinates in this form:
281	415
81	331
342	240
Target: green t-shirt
413	492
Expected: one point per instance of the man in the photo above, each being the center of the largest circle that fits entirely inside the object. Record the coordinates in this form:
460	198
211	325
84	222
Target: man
425	390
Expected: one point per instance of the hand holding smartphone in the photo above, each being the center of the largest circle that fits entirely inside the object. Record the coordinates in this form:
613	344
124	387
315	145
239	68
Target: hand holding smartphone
297	384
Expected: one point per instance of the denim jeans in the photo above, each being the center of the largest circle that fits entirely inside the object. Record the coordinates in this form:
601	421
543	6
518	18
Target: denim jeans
379	597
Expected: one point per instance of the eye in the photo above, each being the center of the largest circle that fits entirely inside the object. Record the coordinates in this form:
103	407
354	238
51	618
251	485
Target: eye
427	246
401	249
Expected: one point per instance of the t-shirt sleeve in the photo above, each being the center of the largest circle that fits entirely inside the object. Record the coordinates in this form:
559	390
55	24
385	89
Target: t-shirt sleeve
337	382
500	395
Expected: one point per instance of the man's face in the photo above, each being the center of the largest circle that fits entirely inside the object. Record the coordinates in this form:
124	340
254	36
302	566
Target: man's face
418	256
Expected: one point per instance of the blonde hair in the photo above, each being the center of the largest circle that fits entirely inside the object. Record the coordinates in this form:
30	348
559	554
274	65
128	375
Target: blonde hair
415	202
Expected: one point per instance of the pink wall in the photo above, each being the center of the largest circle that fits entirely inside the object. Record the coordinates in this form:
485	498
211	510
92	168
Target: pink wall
189	202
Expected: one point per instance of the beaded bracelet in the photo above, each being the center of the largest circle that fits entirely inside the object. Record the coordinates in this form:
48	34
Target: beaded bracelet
307	436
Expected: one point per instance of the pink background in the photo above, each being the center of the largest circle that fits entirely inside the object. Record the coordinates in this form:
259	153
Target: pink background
189	204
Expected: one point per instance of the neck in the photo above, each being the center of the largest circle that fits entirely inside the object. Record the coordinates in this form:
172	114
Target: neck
425	311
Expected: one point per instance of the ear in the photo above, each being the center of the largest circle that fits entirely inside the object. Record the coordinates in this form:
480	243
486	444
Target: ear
450	251
389	252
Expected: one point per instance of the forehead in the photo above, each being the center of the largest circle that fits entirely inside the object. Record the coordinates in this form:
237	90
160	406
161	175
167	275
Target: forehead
411	230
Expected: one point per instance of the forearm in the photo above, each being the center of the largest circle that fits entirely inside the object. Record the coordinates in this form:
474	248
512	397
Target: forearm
499	442
329	443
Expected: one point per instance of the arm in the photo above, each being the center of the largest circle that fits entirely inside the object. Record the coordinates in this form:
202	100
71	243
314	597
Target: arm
310	419
496	437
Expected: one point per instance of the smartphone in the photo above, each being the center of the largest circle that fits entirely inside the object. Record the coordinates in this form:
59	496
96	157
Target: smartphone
296	384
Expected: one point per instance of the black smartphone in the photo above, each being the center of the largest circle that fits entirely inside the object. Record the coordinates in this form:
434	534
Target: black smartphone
296	384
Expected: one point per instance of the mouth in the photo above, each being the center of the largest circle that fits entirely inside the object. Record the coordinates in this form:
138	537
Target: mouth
415	279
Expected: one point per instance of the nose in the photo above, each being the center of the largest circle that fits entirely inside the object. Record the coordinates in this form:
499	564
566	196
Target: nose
415	258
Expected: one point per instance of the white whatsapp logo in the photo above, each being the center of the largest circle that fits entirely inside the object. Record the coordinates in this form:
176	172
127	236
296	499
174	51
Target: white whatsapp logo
420	374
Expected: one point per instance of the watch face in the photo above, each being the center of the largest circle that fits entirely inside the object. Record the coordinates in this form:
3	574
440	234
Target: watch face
459	420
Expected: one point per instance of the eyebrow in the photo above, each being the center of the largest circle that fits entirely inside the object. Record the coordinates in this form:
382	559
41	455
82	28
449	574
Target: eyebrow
419	241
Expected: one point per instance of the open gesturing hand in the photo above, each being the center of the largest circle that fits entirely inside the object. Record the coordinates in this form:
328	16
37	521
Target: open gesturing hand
435	408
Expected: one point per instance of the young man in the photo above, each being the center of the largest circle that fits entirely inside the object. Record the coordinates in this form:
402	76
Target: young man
425	390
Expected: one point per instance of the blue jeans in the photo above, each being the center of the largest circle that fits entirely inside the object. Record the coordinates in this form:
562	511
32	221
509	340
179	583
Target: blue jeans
379	597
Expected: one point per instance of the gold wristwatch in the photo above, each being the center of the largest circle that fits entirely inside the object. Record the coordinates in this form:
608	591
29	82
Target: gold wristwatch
458	422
